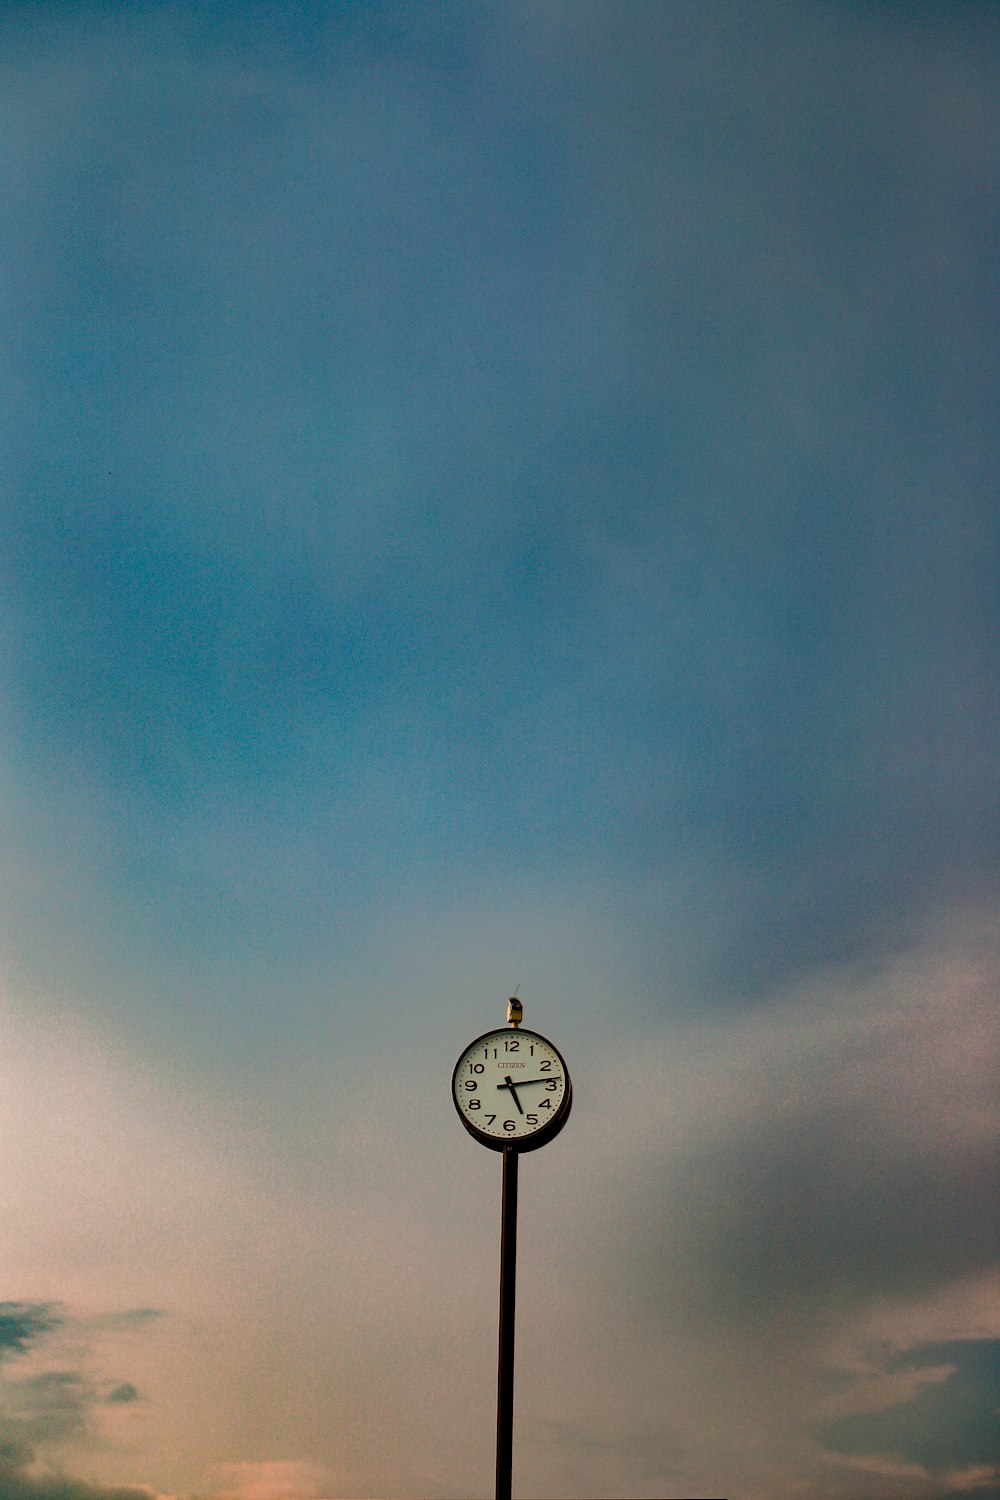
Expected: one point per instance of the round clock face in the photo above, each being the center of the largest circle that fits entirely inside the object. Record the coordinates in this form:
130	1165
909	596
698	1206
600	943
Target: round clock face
511	1088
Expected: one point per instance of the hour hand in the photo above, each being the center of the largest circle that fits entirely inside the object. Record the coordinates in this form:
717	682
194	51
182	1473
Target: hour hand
508	1084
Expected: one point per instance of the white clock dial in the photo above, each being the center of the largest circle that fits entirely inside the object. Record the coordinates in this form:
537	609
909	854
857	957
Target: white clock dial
511	1088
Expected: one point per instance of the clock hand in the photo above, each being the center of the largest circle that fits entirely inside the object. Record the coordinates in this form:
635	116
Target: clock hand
549	1078
513	1092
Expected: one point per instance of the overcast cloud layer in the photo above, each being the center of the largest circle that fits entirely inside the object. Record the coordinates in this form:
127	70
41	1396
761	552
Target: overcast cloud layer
499	495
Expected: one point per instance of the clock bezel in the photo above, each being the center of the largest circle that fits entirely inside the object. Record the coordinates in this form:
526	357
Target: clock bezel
544	1133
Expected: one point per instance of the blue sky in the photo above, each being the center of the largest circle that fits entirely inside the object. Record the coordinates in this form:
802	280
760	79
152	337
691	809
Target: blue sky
499	495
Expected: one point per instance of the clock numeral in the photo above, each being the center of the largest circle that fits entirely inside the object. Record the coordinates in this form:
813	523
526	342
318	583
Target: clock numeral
545	1104
490	1119
552	1085
532	1119
475	1104
545	1067
510	1124
512	1046
475	1067
471	1085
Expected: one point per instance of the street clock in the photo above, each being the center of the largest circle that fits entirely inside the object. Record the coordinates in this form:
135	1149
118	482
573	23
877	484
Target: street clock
512	1088
513	1093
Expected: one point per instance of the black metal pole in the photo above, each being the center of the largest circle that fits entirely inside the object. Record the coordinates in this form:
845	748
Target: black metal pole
505	1364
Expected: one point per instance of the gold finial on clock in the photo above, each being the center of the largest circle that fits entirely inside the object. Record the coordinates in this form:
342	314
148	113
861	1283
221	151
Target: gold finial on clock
515	1011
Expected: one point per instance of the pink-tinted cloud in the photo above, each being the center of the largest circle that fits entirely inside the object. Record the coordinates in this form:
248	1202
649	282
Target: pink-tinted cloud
276	1479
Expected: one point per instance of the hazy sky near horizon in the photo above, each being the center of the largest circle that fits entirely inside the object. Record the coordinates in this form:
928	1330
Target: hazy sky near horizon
499	495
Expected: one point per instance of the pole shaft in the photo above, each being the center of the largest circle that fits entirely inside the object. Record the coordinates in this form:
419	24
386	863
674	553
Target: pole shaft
505	1363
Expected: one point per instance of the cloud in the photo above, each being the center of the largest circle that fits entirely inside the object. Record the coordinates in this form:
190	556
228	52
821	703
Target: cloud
51	1410
796	1207
17	1484
847	1142
948	1422
277	1479
889	1477
54	1407
21	1323
123	1394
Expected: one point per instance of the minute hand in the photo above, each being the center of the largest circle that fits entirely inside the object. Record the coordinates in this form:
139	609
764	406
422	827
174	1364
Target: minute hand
509	1084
